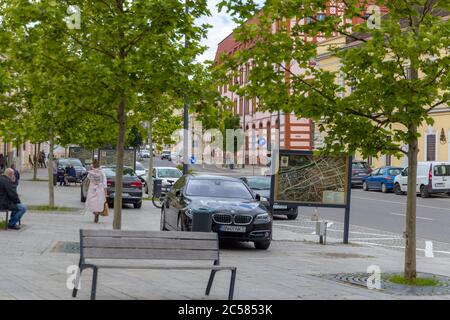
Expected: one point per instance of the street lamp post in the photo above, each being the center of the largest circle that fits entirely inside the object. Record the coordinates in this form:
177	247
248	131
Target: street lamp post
186	116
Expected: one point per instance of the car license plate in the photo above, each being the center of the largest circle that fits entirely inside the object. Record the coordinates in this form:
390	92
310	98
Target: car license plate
279	206
232	228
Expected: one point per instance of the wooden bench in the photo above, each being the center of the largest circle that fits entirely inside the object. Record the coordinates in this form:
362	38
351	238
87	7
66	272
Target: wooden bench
150	245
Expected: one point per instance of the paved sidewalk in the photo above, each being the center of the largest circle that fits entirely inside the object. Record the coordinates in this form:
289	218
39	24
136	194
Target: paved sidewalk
31	269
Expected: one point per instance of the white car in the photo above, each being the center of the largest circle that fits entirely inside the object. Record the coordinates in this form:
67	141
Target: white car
168	175
141	171
432	177
145	153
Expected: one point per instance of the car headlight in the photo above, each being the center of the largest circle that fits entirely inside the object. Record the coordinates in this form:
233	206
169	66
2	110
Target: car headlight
264	199
263	218
188	212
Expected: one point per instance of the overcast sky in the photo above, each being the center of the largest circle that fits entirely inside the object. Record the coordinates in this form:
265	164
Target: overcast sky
222	26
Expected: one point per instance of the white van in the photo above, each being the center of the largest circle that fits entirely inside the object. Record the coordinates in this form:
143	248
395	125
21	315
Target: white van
432	177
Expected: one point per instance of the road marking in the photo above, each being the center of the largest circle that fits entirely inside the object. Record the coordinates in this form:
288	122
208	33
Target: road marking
403	215
397	202
395	238
399	247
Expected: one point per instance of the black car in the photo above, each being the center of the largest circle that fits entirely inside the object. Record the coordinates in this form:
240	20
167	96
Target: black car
236	212
261	185
360	170
64	163
132	186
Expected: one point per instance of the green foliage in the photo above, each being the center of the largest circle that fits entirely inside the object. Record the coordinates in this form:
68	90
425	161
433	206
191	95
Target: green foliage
384	100
420	282
134	138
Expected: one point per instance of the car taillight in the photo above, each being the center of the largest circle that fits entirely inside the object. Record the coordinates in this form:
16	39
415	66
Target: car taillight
109	183
430	175
136	184
388	178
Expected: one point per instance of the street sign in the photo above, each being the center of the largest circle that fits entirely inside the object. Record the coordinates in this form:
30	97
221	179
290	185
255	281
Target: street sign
261	141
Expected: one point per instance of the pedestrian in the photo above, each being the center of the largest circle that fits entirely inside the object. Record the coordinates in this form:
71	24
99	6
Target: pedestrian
43	158
30	161
9	199
16	174
71	176
97	190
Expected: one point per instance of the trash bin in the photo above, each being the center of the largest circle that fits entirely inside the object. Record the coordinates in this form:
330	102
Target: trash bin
202	222
157	188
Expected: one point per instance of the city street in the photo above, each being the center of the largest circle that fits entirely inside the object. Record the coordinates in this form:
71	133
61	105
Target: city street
34	260
375	217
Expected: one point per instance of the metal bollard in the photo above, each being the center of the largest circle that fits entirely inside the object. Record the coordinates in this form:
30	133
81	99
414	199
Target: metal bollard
321	231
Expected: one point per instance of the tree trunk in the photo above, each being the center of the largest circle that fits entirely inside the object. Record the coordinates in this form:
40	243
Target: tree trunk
150	160
35	161
410	233
117	223
51	191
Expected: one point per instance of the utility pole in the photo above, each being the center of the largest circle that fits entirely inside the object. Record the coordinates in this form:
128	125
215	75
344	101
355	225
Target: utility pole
186	116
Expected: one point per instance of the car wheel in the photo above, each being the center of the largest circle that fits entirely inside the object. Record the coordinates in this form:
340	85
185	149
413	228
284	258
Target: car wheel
365	187
397	190
293	215
83	198
137	205
262	245
424	192
384	189
162	222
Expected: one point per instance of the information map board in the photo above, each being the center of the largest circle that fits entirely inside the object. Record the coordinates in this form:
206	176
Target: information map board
306	179
108	157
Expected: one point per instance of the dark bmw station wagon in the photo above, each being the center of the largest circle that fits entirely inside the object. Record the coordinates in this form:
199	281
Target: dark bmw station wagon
236	212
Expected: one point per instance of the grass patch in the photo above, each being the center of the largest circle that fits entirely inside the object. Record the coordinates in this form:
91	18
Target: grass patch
419	282
2	225
37	180
49	208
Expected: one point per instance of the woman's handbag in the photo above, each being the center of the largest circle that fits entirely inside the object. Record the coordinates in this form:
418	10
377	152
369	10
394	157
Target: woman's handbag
105	211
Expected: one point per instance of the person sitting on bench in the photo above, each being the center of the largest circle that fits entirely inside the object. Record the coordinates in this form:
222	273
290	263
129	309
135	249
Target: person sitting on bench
9	199
71	176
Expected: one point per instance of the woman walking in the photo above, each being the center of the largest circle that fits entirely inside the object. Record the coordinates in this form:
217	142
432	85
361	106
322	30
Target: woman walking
96	197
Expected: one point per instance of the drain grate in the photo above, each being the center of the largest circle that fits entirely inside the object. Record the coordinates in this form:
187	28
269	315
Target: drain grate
66	247
360	279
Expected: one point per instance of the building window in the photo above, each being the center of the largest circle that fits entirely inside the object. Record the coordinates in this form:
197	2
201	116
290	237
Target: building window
235	106
388	160
431	147
246	103
241	106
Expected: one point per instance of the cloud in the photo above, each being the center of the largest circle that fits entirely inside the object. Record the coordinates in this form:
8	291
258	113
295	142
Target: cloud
222	26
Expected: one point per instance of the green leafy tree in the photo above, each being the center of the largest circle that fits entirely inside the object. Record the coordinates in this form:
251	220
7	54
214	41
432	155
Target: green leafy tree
115	51
398	72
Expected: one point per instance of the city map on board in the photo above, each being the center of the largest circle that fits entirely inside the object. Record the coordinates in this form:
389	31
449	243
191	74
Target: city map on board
311	179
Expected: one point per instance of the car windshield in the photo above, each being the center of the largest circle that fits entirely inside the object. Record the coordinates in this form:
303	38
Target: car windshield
218	189
360	165
394	172
259	183
139	166
70	162
111	172
166	152
169	173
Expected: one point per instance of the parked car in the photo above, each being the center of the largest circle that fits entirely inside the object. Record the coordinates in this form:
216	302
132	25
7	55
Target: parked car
381	179
237	213
63	163
360	170
132	186
432	177
145	154
166	155
261	185
168	175
141	171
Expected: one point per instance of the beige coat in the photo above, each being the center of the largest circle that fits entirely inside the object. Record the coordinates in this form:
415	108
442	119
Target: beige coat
96	196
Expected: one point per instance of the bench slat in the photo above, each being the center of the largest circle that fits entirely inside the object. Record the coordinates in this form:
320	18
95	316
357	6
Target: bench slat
149	243
149	234
166	267
150	254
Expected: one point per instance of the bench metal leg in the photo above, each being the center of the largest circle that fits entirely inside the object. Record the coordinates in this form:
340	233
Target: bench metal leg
77	282
6	220
94	283
210	282
233	279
